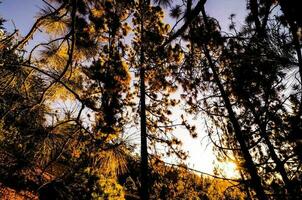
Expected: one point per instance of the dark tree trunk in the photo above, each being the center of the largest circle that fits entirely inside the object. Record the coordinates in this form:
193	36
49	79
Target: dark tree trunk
144	145
279	164
249	163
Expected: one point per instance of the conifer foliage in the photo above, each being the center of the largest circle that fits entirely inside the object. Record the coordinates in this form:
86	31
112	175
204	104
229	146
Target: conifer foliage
95	111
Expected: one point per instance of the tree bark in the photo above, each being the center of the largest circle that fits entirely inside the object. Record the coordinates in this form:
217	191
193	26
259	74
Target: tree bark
249	163
144	145
279	164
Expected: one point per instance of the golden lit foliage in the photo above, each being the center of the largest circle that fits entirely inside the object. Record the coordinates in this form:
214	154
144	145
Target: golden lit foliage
109	189
55	55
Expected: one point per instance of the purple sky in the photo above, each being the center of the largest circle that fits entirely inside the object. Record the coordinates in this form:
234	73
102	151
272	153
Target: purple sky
22	12
222	9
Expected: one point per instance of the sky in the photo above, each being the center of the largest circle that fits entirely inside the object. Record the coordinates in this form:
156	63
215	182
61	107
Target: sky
21	14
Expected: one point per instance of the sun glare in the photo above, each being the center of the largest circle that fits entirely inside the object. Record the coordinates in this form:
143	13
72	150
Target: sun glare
229	169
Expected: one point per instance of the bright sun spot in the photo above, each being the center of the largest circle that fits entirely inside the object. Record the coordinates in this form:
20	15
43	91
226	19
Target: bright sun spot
229	169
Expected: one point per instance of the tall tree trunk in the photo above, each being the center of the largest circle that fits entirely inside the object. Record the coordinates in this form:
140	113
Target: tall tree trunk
290	10
292	14
260	28
279	164
249	163
297	46
144	146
